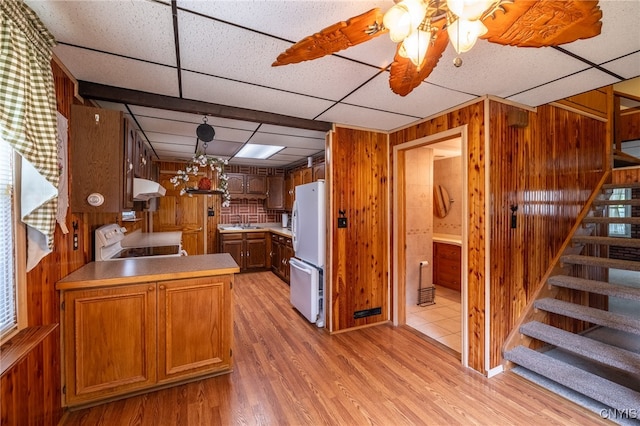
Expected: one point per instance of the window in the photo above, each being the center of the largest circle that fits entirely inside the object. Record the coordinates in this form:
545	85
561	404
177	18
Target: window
619	210
11	246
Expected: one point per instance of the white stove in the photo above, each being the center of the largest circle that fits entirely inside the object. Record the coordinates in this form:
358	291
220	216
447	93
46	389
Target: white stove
111	243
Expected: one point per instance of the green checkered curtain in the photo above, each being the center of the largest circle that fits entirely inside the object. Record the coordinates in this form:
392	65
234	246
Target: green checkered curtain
28	116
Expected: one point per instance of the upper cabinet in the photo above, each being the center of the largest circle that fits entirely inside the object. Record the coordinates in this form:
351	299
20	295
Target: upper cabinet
142	161
299	177
102	160
275	193
247	186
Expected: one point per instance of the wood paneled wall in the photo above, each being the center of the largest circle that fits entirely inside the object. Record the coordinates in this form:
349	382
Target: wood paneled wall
38	375
359	272
548	170
473	117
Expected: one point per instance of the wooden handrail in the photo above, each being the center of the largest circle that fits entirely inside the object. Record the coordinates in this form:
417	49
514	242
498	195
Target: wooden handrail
529	314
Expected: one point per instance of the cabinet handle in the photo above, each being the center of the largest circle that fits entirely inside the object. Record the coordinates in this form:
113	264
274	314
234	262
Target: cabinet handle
247	254
241	254
162	287
151	288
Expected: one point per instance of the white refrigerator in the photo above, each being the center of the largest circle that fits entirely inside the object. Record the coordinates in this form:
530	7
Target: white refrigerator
308	226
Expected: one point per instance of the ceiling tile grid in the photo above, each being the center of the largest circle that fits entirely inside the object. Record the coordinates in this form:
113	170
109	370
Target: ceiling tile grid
227	48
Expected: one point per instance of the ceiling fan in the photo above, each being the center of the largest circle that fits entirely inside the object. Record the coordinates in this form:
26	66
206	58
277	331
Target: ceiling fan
423	28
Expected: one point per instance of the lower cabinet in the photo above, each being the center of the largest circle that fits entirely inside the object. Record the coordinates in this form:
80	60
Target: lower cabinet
447	267
133	338
281	252
248	249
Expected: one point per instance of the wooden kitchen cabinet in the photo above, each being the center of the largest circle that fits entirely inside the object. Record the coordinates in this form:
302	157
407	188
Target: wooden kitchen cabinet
137	337
318	172
109	340
101	160
248	249
281	252
141	158
447	270
247	186
194	327
275	193
288	192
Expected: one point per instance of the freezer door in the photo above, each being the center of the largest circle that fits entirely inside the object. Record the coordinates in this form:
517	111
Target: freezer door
304	293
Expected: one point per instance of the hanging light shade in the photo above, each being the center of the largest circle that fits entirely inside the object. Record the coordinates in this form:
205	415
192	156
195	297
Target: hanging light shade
205	132
464	34
469	9
415	47
403	18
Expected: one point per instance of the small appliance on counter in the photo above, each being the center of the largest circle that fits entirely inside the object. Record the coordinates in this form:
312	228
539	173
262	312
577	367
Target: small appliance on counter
309	239
285	220
111	243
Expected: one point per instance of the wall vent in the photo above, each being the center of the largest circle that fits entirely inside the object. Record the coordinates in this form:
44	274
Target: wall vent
367	313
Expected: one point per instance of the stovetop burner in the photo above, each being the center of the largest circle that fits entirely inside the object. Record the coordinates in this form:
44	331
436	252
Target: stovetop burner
148	251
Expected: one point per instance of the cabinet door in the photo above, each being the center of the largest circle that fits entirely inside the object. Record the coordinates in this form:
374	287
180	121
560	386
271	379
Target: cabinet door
288	192
234	245
128	168
109	341
318	171
256	251
307	175
194	326
275	254
255	184
275	192
287	253
97	161
235	183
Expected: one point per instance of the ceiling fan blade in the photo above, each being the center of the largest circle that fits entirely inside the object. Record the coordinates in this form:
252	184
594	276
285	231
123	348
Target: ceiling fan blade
538	23
338	36
405	76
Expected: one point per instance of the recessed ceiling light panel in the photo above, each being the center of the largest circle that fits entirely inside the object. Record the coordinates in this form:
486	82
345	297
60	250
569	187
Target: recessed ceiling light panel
261	152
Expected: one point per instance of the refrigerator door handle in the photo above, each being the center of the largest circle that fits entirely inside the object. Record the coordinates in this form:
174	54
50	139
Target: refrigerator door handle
294	225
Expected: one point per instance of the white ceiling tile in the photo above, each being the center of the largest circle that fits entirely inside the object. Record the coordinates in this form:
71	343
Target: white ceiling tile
563	88
628	66
243	95
126	73
285	140
134	28
620	23
281	130
351	115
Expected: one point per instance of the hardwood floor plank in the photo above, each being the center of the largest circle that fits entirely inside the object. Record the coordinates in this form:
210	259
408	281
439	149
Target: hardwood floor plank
289	372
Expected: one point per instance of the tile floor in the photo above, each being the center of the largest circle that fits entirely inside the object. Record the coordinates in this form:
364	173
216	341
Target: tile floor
440	321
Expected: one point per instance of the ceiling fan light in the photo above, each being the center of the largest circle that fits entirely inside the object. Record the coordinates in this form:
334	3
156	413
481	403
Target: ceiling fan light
415	47
469	9
464	34
403	18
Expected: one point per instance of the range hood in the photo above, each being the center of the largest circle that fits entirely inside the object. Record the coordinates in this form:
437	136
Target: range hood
144	189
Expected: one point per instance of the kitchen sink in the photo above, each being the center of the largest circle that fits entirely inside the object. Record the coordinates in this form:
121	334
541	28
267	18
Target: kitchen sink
239	228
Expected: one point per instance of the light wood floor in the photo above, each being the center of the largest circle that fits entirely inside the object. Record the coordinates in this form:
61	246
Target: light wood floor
288	372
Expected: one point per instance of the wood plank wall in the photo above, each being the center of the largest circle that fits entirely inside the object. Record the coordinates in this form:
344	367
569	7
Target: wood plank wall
473	117
548	169
359	264
38	375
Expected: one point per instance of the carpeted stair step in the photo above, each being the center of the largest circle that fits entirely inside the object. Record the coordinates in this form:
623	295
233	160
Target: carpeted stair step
602	353
607	241
591	385
603	262
607	202
606	219
621	185
592	315
598	287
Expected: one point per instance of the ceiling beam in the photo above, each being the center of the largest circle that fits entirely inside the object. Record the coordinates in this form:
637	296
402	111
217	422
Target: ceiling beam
103	92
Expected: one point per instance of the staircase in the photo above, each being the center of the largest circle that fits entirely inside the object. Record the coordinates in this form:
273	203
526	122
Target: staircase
601	369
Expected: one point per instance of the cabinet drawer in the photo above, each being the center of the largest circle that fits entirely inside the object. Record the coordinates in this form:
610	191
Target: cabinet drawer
448	251
255	235
232	237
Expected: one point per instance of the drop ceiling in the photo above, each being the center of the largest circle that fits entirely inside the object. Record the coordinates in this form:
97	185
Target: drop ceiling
219	55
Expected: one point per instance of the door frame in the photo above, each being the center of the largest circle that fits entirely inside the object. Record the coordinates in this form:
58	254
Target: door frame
399	229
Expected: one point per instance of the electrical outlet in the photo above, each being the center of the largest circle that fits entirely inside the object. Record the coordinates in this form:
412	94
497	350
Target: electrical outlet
75	241
210	213
342	222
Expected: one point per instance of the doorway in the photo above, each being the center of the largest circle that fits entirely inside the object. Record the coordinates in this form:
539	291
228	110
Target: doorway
427	238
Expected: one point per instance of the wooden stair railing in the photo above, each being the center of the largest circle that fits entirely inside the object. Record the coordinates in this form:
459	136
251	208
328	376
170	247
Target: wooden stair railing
544	290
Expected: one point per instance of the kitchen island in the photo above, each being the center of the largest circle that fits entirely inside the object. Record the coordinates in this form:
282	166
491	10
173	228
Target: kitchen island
135	325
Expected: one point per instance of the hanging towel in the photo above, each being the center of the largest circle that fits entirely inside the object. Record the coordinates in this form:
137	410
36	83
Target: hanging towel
36	191
63	187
